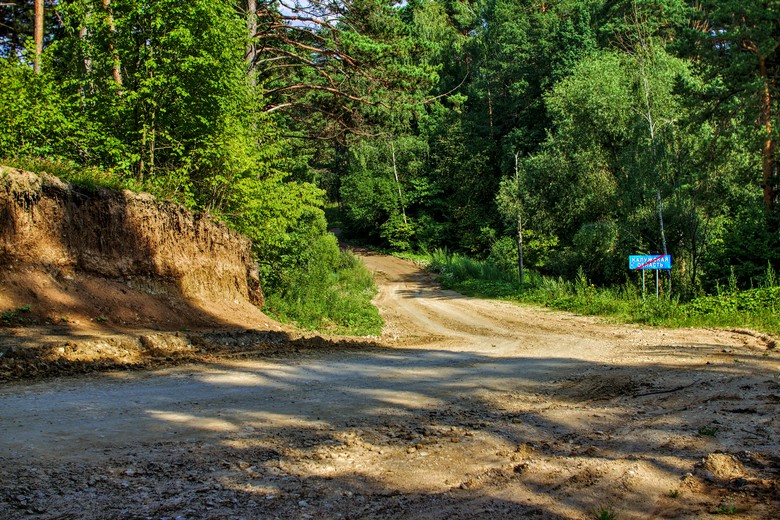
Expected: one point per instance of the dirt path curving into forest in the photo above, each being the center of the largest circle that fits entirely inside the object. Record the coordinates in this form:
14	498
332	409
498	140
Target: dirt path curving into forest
464	408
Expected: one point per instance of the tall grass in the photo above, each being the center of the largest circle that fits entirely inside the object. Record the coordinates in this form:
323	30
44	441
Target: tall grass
757	308
338	301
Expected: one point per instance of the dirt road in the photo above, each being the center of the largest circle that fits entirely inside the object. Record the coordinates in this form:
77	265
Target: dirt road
464	408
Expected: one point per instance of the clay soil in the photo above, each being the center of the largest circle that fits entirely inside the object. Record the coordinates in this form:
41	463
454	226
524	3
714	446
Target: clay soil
463	408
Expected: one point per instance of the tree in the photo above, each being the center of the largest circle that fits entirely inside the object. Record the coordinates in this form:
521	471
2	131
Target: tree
740	40
334	67
510	204
116	63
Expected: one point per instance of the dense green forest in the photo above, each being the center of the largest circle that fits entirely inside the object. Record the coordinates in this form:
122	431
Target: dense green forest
582	130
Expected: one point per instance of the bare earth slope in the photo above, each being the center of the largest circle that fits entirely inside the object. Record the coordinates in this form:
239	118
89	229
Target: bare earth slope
463	409
95	259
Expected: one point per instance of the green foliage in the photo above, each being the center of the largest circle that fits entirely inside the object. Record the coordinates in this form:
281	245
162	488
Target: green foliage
708	431
90	178
733	303
16	317
503	254
604	513
398	232
36	114
334	295
726	509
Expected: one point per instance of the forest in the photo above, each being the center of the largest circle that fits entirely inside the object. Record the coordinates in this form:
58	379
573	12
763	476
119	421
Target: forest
545	139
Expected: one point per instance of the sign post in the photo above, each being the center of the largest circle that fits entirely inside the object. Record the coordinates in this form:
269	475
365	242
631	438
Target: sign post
650	262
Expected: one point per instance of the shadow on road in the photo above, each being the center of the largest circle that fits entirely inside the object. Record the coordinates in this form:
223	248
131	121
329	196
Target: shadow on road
362	434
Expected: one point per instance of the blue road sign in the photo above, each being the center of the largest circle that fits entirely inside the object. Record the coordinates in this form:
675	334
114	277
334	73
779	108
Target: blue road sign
643	262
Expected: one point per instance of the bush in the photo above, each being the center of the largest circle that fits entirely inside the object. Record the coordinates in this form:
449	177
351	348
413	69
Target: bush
398	232
331	292
503	255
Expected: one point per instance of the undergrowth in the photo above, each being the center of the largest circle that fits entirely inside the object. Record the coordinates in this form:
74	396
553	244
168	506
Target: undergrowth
756	308
338	301
89	178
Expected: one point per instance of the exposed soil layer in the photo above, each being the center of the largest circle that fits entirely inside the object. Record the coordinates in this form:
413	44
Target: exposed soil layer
107	260
463	408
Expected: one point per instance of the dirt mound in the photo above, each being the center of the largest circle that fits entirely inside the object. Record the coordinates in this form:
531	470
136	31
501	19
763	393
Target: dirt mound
723	466
95	259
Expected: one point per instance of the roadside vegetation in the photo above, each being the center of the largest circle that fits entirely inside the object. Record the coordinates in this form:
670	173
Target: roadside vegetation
757	307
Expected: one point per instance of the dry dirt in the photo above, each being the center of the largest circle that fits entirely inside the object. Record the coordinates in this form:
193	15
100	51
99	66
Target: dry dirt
464	408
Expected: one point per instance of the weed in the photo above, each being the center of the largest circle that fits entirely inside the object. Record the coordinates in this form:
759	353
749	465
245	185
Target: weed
770	277
7	316
337	300
102	319
13	316
724	509
674	493
604	513
708	431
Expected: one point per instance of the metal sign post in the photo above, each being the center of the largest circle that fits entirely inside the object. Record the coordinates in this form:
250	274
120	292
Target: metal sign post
653	262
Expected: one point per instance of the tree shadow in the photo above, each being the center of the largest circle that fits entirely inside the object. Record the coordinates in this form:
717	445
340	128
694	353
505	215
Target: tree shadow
350	436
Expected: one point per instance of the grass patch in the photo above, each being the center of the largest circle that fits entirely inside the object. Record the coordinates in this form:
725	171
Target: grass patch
88	178
338	302
755	308
708	431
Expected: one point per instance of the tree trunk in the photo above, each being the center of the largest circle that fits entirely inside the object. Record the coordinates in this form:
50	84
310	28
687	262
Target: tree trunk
84	38
520	266
251	49
398	184
768	149
38	35
117	67
520	249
